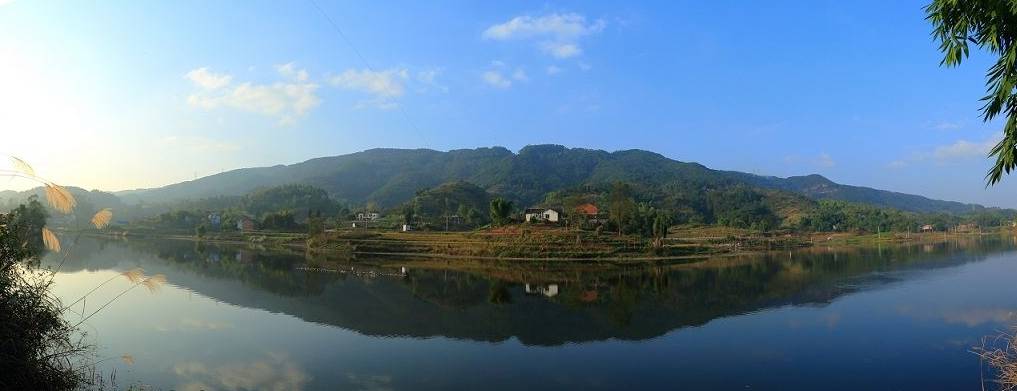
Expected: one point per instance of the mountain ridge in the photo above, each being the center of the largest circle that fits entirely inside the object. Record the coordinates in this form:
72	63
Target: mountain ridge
389	176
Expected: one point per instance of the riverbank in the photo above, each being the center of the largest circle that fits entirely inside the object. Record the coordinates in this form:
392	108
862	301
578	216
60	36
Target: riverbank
543	243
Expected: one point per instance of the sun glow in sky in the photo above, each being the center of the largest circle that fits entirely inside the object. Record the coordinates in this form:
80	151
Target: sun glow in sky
119	95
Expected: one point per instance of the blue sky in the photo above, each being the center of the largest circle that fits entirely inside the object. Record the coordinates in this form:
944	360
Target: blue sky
122	94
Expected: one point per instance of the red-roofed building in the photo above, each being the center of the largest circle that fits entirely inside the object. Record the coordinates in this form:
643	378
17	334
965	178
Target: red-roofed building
587	209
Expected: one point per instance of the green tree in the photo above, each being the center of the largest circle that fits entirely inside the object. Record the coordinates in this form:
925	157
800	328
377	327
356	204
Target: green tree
315	224
990	25
201	231
501	209
661	223
621	205
408	213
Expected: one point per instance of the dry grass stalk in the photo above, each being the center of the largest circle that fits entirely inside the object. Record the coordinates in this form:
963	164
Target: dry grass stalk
50	240
1000	353
22	166
59	198
102	218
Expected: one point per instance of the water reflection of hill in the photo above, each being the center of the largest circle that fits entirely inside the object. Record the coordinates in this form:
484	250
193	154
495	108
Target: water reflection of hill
566	306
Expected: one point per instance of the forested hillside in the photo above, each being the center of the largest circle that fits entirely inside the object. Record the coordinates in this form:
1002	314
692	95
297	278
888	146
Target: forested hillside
390	177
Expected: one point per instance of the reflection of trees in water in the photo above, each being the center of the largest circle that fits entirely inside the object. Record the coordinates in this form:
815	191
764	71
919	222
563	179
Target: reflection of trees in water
590	303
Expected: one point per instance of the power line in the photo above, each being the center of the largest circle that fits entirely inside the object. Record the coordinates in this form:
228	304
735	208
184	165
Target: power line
367	64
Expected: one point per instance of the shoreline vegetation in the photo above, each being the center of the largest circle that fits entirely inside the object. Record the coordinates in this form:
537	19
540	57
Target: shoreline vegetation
549	243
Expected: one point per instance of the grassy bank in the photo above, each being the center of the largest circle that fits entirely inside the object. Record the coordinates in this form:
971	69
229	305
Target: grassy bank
535	242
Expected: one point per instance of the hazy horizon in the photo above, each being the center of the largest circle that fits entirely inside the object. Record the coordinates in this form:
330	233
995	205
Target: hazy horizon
119	96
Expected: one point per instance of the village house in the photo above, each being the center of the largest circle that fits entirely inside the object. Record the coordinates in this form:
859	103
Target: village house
214	219
245	224
368	216
590	213
928	228
548	215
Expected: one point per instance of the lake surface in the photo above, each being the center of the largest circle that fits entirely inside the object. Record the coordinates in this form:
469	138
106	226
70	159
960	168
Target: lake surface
242	318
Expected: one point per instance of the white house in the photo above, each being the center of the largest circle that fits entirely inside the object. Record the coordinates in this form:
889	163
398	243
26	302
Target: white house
368	216
550	215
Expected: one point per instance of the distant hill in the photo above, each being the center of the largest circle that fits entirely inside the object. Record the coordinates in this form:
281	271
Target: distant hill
389	177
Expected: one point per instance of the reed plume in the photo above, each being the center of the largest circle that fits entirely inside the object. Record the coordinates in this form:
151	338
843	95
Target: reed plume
22	166
50	240
59	198
134	276
102	218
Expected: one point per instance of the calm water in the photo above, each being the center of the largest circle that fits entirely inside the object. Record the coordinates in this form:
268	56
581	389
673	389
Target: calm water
238	318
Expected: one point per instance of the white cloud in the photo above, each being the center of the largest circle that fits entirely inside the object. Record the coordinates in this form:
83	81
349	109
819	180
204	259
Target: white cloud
286	101
429	79
384	86
955	151
289	71
502	75
553	70
208	80
520	74
496	79
557	26
556	34
560	49
965	149
387	83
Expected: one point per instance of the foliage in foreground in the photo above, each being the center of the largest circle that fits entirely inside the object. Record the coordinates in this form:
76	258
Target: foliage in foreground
38	349
990	25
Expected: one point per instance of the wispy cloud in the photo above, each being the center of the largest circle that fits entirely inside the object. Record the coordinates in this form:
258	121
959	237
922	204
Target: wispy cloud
286	100
955	151
429	80
384	86
207	79
496	79
962	149
387	86
501	75
290	71
556	34
553	70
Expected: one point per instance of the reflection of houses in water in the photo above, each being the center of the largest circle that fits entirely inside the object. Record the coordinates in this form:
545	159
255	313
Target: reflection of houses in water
549	290
244	256
367	273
